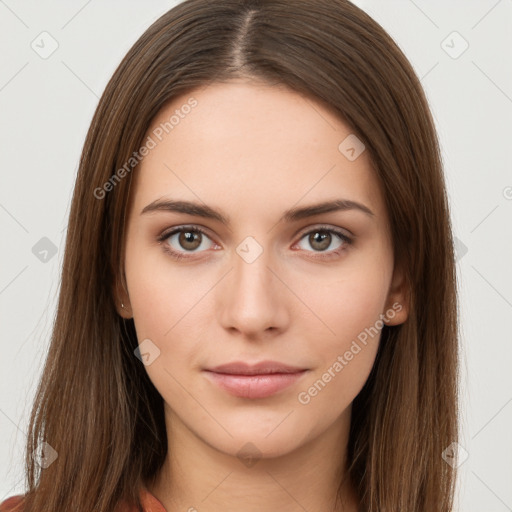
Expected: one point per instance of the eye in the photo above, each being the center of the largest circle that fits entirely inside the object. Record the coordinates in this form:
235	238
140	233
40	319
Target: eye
188	238
321	238
185	240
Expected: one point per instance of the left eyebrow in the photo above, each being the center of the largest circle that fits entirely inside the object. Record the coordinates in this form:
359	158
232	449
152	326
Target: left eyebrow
295	214
291	215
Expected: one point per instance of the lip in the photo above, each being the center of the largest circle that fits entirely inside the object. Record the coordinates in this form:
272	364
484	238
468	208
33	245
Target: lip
259	380
261	368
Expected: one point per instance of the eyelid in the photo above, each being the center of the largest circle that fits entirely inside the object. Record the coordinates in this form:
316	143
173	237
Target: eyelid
181	228
198	227
325	227
347	239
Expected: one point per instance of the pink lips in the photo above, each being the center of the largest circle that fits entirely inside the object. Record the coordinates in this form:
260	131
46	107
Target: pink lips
254	381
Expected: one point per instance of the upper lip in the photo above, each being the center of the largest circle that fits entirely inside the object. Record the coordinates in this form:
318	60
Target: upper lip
263	367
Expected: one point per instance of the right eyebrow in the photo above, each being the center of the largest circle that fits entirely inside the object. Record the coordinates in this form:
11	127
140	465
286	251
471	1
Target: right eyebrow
291	215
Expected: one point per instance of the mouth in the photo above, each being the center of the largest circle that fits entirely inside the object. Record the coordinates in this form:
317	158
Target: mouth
259	380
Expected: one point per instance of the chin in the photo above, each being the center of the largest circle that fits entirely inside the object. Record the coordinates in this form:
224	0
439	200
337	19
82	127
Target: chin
251	444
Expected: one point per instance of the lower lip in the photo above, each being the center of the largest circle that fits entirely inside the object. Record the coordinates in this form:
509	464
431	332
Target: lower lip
254	386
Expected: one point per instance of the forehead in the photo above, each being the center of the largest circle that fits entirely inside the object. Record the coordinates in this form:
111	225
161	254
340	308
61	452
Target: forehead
251	117
255	143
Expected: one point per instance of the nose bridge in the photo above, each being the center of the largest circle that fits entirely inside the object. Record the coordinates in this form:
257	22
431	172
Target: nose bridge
252	300
251	270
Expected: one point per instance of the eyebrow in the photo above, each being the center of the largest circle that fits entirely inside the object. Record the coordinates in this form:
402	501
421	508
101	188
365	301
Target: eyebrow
291	215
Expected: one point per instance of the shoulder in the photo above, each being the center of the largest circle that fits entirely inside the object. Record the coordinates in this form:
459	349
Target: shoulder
149	502
12	504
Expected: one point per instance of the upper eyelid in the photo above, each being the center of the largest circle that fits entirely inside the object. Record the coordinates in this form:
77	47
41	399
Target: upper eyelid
177	229
301	232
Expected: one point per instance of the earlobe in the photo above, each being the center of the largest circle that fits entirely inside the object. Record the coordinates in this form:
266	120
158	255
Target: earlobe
122	302
125	312
398	300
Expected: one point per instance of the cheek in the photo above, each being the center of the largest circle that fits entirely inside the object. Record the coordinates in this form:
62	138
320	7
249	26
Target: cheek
165	314
169	309
350	303
344	360
159	294
346	344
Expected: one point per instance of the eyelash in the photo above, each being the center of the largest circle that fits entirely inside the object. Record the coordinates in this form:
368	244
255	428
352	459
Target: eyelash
196	229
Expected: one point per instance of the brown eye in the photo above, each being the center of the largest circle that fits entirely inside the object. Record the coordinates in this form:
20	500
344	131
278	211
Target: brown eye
320	240
190	240
184	241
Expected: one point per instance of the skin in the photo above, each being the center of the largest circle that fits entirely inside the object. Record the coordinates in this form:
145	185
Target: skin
253	151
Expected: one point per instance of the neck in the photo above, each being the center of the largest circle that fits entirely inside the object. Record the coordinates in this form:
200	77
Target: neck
199	477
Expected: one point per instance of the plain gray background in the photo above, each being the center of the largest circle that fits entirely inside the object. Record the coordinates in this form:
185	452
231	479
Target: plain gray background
46	105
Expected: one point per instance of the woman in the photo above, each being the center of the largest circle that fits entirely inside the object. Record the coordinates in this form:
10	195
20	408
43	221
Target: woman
258	307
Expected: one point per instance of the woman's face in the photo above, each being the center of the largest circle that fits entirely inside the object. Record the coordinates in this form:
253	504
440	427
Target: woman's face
268	277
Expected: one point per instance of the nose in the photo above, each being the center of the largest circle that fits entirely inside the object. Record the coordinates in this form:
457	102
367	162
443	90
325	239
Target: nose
253	299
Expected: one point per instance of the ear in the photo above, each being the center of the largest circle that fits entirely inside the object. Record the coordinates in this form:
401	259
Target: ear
398	299
122	299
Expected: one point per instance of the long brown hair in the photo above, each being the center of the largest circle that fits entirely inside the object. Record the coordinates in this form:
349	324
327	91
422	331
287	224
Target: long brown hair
95	405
